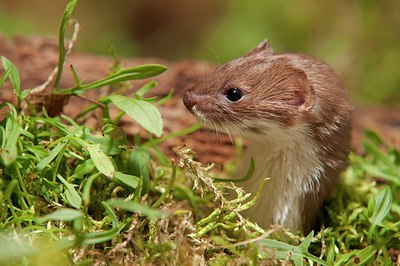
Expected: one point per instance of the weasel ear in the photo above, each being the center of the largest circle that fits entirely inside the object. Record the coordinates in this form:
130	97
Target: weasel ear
306	96
263	48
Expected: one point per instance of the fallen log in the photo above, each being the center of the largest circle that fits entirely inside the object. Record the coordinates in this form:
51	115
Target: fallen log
36	57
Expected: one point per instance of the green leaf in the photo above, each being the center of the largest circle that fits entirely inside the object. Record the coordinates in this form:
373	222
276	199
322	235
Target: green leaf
84	168
129	181
77	130
55	122
299	252
75	75
71	194
140	72
305	244
25	93
379	172
373	137
144	71
282	249
330	252
138	191
139	165
371	206
365	254
132	206
144	113
165	99
38	151
102	162
65	214
110	213
111	145
51	185
50	157
145	89
377	153
87	187
382	208
101	237
10	135
27	134
4	77
13	75
13	247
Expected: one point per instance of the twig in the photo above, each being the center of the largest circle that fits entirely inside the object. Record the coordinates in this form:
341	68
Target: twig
91	101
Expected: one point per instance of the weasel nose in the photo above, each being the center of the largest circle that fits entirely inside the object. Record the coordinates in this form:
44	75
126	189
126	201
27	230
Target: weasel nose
187	100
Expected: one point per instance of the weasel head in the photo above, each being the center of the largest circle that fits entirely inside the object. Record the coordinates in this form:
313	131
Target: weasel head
253	95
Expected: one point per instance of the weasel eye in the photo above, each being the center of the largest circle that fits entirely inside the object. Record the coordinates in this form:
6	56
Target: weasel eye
234	94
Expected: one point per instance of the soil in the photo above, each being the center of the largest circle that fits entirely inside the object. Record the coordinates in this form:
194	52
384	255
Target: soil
36	57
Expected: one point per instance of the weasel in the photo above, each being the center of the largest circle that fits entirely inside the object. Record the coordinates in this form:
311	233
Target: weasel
297	116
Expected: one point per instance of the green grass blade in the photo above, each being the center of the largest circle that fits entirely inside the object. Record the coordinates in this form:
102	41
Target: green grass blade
165	99
362	256
50	157
132	206
145	89
246	177
378	171
167	190
101	237
183	132
87	187
71	194
129	181
305	244
61	39
140	72
64	214
139	165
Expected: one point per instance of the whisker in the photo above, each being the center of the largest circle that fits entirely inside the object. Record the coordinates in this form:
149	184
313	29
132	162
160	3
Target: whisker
228	132
235	125
214	53
216	129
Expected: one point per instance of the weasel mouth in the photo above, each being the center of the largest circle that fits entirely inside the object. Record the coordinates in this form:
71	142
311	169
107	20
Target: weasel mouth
199	114
211	121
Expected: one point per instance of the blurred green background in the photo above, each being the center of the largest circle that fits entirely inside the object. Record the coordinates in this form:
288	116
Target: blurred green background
360	39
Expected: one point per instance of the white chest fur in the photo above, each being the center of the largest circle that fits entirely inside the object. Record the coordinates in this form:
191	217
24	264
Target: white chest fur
293	168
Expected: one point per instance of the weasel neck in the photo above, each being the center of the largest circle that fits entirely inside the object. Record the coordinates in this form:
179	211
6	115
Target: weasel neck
293	169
